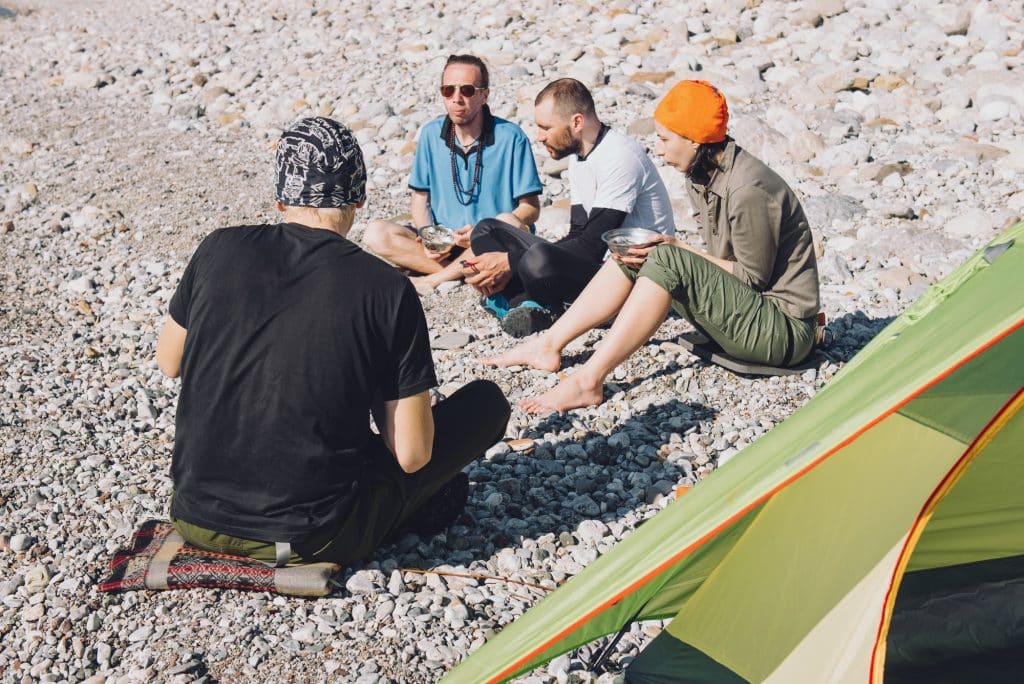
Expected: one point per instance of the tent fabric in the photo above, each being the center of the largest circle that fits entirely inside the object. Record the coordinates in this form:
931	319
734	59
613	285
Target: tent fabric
949	619
663	658
807	532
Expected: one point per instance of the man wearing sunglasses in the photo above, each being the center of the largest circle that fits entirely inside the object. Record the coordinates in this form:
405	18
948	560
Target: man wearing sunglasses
612	183
469	166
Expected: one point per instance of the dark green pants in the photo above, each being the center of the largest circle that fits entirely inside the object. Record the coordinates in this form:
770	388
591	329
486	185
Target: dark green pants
465	425
743	322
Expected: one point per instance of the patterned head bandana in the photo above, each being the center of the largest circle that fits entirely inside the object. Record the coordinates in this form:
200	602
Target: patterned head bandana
319	164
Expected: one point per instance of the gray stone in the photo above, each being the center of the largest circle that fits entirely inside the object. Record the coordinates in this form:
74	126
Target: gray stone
585	505
824	210
93	622
305	634
81	79
996	109
591	531
588	70
451	340
186	667
21	542
555	167
973	223
904	211
641	127
141	634
80	285
11	585
36	579
448	286
365	582
395	584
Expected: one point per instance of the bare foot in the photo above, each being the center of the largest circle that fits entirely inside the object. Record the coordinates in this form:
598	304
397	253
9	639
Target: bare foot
534	353
568	394
422	284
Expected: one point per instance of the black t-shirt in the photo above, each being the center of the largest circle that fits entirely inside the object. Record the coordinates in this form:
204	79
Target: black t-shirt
292	332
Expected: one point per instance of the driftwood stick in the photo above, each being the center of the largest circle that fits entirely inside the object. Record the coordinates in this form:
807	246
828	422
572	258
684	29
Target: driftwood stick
473	575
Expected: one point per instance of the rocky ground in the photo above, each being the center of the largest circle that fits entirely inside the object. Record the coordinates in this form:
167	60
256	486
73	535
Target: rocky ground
130	130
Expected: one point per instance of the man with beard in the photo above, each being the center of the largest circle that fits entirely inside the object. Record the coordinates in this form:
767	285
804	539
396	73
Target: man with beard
526	280
469	166
753	290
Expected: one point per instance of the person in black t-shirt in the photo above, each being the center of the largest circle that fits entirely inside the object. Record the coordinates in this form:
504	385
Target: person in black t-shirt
286	338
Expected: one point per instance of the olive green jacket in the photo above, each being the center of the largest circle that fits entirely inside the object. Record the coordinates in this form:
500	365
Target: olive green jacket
749	215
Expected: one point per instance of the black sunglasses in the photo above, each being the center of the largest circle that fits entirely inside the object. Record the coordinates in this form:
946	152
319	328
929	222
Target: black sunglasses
465	89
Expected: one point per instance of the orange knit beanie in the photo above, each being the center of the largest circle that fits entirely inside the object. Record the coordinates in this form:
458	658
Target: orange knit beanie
695	110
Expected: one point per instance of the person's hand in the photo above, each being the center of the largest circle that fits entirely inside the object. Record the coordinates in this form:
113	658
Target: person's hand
431	254
488	272
636	256
462	236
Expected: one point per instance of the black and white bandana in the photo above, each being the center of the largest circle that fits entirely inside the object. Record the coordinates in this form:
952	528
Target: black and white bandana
319	164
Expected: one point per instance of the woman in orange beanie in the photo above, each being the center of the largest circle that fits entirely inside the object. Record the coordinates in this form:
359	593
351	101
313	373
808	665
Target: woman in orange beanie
753	290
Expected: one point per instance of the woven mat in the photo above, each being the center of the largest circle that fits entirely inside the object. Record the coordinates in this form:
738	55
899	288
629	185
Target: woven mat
159	558
706	350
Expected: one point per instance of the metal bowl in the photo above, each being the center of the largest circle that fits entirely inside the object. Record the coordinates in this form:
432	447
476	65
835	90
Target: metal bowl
620	240
437	238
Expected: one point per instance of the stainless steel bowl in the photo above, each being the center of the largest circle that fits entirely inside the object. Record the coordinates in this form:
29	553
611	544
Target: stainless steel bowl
437	238
621	239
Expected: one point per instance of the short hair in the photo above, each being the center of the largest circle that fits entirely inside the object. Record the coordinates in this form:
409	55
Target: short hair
470	60
570	97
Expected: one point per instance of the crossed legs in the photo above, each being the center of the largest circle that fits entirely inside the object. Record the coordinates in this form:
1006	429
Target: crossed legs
398	244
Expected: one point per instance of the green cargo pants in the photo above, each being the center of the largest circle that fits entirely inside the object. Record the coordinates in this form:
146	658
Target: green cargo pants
743	322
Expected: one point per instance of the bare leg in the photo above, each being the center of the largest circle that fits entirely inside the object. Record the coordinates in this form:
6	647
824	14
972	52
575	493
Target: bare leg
422	286
398	245
453	271
601	299
639	318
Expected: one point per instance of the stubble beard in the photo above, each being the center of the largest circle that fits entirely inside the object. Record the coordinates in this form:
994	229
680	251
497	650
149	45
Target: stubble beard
560	150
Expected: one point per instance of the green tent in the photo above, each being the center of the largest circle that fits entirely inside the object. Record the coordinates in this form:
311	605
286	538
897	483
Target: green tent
904	475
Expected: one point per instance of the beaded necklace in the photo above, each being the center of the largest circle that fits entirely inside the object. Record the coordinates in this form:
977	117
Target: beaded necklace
460	192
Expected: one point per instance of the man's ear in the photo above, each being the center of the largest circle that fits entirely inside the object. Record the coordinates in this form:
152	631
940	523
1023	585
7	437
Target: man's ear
577	122
360	205
279	205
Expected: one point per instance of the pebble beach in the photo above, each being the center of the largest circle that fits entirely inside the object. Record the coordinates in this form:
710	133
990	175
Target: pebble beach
129	131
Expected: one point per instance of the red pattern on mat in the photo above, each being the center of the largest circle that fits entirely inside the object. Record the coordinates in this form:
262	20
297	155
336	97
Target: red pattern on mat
189	568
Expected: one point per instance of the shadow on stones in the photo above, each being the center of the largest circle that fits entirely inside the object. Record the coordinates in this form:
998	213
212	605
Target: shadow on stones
850	333
845	337
580	357
575	358
551	490
636	380
554	488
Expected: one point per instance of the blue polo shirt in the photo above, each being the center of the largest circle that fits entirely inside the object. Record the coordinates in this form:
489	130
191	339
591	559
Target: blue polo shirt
507	171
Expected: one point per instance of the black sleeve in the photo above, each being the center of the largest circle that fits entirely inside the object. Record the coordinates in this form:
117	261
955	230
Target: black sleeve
409	368
181	300
585	231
